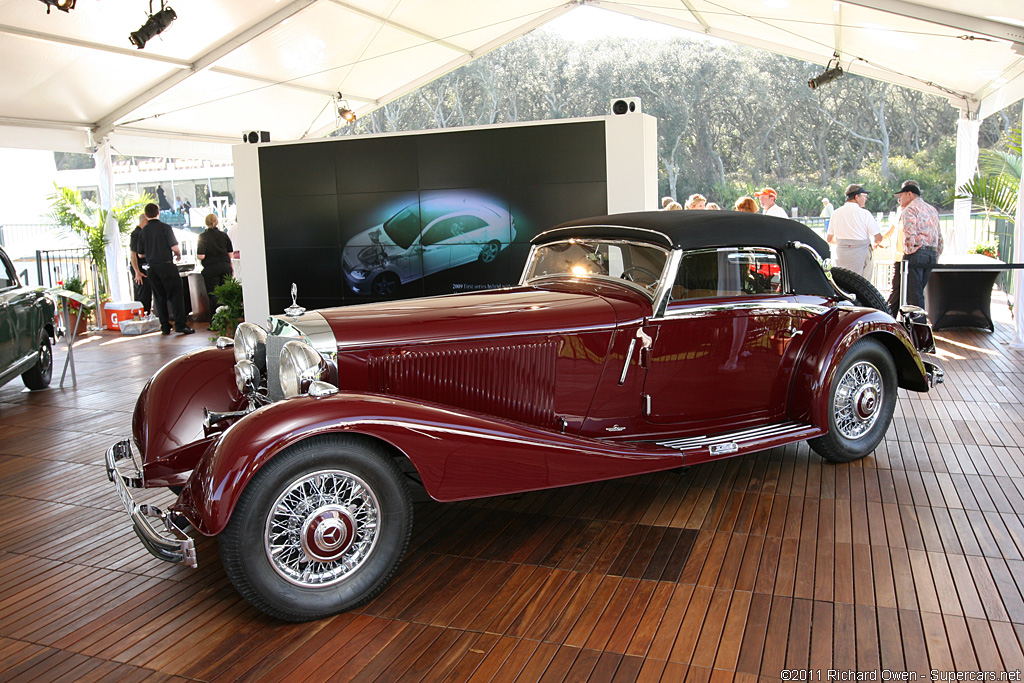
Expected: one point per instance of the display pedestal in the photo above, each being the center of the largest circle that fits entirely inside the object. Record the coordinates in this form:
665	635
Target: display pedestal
959	294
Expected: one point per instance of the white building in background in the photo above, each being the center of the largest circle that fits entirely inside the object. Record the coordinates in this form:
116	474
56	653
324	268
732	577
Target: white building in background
202	185
27	180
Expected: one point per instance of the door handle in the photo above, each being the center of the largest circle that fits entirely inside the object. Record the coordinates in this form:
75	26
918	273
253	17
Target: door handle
646	342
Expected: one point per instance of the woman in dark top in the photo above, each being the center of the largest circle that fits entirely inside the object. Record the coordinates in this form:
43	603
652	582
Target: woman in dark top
214	251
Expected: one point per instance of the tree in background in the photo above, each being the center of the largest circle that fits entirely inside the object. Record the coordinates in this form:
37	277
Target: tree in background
730	118
87	220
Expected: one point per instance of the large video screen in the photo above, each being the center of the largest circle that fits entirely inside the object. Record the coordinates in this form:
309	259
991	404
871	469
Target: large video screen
366	219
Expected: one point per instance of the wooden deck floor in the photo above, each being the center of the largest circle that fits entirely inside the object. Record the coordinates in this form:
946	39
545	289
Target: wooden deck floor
909	560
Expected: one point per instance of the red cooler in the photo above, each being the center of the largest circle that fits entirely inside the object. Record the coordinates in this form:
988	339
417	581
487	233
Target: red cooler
116	311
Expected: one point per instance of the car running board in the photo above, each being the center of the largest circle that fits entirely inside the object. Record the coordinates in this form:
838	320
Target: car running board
741	441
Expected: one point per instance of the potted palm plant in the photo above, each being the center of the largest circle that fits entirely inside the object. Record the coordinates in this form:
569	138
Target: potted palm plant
87	221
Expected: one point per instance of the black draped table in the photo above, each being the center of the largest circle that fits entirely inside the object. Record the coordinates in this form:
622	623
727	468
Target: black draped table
959	292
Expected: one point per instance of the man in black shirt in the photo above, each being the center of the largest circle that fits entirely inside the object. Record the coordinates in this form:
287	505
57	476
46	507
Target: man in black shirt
143	294
160	248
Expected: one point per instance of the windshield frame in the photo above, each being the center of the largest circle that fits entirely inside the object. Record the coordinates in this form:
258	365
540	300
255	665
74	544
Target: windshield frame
651	293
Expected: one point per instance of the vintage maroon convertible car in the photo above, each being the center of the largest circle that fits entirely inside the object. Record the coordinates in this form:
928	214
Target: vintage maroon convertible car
634	343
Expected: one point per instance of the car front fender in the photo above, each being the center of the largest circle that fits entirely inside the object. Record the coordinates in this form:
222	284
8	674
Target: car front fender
458	454
168	421
826	349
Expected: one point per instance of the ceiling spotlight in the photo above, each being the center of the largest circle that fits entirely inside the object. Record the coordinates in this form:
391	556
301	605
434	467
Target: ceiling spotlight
345	112
826	76
832	72
62	5
154	26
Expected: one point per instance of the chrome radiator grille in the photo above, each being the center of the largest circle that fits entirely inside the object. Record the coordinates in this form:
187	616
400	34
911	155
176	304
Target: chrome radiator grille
513	382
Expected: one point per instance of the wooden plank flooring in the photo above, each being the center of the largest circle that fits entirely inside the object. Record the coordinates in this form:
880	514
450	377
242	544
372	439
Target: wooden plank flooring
909	560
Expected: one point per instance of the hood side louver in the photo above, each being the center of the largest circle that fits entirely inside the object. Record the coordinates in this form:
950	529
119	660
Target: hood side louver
513	382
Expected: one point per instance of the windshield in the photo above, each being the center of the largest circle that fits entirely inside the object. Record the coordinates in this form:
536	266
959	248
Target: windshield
404	227
640	264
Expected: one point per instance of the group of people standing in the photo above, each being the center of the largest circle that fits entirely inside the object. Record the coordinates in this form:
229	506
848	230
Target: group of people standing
856	234
154	252
766	196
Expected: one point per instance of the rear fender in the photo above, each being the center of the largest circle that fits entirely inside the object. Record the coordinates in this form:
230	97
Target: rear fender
168	420
824	352
459	455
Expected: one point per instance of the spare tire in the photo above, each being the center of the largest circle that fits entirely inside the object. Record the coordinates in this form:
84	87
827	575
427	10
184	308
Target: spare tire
864	293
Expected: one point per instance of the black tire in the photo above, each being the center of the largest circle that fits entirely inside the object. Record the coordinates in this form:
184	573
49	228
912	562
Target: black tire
861	402
385	284
39	375
865	294
490	251
365	520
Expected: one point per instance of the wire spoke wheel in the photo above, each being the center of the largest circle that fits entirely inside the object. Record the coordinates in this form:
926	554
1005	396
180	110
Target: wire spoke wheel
861	402
322	528
858	400
319	529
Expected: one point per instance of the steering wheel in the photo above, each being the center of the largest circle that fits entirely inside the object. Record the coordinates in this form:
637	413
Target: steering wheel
628	274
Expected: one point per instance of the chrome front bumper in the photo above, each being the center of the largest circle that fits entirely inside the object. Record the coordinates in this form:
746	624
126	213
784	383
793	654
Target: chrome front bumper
936	375
172	544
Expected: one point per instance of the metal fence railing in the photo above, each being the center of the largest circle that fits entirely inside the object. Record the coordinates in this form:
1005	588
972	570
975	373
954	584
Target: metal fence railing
982	228
57	267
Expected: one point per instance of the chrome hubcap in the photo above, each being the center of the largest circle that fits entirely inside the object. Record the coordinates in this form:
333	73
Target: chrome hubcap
322	528
328	533
45	357
858	400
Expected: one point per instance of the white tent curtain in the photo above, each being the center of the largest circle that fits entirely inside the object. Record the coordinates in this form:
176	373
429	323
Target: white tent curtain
967	131
115	252
1018	275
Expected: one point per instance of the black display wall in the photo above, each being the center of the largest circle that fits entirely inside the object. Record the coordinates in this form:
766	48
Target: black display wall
363	219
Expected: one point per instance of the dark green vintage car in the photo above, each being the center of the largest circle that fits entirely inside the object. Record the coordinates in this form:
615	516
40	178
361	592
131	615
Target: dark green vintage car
26	330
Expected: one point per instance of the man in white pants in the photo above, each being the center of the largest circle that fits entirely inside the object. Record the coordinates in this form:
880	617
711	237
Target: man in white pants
855	233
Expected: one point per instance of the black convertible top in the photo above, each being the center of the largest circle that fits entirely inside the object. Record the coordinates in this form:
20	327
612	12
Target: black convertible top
691	230
710	229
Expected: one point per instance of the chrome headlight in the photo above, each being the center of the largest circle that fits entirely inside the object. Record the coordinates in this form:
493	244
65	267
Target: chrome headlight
247	338
300	366
247	377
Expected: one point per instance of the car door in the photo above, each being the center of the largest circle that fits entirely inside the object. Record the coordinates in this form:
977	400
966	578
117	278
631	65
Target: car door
723	354
9	290
469	235
436	243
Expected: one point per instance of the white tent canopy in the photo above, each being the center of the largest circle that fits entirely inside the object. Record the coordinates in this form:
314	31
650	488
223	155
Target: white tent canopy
225	66
73	82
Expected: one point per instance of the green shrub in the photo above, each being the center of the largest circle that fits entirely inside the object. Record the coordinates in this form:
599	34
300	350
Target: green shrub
230	311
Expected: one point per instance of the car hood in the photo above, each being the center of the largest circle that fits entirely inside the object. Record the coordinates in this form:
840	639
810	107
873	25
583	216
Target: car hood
494	313
361	251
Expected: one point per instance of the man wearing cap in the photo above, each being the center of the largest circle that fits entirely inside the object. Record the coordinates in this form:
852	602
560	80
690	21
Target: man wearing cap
922	239
854	231
767	196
